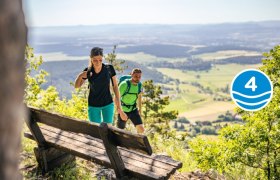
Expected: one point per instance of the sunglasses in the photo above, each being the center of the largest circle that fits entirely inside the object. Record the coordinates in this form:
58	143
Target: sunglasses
97	60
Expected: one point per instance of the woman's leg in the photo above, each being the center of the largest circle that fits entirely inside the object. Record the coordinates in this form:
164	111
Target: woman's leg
94	114
108	113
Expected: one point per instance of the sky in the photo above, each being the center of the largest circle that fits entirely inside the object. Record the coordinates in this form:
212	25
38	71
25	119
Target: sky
93	12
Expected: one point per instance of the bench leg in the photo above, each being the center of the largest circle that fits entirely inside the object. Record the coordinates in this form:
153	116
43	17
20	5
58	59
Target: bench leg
113	153
50	158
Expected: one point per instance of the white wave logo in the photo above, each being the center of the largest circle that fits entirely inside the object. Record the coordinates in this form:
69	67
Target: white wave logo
251	90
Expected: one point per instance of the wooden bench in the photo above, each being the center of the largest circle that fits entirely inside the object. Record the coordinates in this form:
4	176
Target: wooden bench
61	138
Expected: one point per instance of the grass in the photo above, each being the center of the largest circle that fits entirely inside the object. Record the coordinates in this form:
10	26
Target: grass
226	54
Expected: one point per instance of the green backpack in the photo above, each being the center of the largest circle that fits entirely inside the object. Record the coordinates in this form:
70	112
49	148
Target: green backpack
127	78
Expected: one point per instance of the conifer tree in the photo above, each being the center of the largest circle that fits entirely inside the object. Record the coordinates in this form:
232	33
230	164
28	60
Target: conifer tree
155	115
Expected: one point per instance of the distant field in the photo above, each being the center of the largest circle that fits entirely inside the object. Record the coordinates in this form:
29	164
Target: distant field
59	56
209	111
136	57
198	106
226	54
219	76
145	58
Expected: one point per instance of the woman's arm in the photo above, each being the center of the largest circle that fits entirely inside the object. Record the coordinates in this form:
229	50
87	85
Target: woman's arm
80	79
117	93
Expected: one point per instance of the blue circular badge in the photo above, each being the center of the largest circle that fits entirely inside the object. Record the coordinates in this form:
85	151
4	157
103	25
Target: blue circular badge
251	90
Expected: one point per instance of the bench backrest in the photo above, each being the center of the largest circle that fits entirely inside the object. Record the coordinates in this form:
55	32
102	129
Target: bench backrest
117	136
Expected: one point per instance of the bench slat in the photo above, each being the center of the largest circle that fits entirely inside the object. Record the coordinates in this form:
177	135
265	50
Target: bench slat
142	161
79	152
120	137
84	152
128	160
64	123
154	160
130	140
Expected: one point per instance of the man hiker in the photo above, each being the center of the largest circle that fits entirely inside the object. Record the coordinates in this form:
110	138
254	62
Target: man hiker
131	96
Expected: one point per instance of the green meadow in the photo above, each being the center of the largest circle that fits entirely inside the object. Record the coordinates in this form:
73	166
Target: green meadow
226	54
191	101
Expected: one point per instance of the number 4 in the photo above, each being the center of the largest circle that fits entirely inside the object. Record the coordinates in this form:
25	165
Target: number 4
251	84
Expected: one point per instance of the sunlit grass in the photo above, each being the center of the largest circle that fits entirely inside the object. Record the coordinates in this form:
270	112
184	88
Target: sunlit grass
226	54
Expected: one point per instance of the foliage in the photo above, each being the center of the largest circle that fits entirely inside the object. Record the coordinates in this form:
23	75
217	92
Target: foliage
112	59
254	144
183	120
156	118
33	83
208	130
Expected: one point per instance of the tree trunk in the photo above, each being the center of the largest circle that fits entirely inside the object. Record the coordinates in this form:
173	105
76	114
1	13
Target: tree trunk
13	39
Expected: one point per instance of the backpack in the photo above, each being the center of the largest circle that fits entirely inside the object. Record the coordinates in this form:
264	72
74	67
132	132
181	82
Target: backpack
127	78
107	66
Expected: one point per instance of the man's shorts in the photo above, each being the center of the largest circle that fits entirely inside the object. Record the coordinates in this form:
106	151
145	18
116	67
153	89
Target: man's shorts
134	116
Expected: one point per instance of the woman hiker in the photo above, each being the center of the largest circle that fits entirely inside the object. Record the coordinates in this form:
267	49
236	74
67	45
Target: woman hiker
100	101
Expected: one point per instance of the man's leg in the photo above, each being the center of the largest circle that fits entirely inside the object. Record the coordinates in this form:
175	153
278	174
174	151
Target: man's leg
137	121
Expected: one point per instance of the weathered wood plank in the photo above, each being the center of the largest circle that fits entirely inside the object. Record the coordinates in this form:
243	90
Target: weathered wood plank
53	158
168	160
89	141
112	152
130	158
148	163
64	123
130	140
95	157
132	169
50	136
35	130
53	138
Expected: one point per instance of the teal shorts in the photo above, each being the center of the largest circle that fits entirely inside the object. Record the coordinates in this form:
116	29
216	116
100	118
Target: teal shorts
107	112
